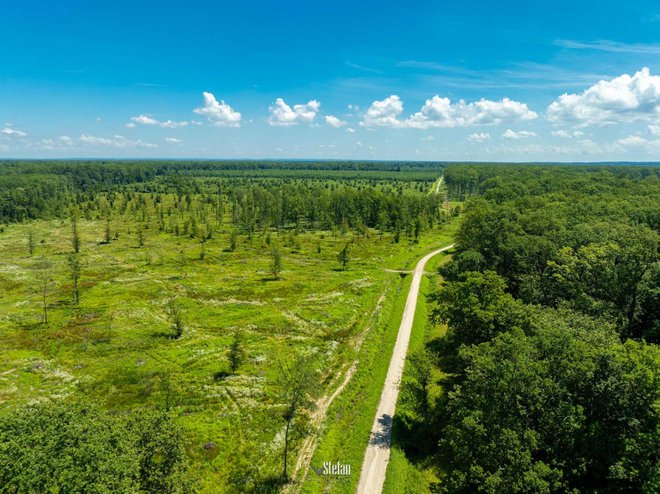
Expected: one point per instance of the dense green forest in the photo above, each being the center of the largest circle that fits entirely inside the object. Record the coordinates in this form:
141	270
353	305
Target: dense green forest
30	189
550	365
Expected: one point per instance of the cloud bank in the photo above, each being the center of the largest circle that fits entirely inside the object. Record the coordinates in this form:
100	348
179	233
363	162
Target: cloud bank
622	99
441	112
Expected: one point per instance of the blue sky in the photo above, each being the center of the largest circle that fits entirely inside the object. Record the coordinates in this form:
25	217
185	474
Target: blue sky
507	80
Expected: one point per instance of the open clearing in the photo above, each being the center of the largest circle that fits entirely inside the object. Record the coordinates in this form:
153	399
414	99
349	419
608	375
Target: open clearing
113	347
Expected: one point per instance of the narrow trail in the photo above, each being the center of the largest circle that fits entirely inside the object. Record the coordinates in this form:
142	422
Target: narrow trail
377	454
308	447
438	184
437	188
301	468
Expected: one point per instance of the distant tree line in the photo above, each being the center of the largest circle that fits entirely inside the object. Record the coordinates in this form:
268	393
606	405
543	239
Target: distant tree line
46	189
259	194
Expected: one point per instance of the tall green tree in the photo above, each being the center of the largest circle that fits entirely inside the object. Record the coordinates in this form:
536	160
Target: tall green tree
477	308
297	384
236	353
75	236
107	234
344	257
275	262
416	387
140	237
75	447
567	408
30	241
45	279
176	319
233	240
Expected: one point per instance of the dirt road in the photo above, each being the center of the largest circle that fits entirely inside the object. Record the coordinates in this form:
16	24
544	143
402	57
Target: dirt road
377	455
436	188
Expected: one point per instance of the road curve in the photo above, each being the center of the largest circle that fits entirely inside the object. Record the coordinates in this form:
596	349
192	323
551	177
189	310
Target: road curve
377	455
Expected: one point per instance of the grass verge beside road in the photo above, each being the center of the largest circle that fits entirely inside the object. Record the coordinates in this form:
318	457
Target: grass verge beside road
404	476
346	432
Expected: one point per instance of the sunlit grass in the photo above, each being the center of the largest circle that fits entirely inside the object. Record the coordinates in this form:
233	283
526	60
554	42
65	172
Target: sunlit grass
114	347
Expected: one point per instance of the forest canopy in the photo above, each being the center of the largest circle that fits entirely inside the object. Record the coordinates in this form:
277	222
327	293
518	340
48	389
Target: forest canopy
552	369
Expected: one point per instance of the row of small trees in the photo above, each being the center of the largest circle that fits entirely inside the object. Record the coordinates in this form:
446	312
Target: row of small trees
75	268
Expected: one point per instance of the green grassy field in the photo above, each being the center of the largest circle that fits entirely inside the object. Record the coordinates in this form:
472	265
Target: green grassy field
404	477
114	346
346	433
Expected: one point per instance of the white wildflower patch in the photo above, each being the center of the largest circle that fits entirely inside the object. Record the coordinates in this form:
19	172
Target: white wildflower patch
60	382
323	297
232	301
9	268
278	441
298	321
361	283
200	352
332	348
62	375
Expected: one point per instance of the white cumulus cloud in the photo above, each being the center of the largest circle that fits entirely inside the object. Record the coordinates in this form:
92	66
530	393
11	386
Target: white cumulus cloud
283	115
117	141
632	141
623	99
8	131
441	112
145	120
58	143
170	124
479	137
220	113
333	121
173	140
149	120
521	134
565	134
384	113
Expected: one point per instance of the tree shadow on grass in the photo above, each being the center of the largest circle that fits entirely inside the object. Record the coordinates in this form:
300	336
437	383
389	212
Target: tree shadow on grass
31	326
271	485
167	335
382	438
221	375
446	350
412	437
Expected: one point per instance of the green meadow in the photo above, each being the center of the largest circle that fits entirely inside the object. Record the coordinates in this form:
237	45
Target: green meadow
117	348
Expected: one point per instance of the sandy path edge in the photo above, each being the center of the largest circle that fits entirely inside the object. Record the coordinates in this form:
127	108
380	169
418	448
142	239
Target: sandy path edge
377	455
